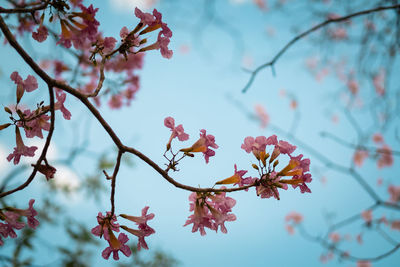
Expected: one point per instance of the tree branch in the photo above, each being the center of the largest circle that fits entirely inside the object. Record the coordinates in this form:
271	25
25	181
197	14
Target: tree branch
304	34
52	82
24	10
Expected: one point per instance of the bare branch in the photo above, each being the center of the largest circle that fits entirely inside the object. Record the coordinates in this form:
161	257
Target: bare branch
304	34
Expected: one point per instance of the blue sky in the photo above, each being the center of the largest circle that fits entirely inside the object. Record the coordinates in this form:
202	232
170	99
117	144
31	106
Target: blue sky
195	88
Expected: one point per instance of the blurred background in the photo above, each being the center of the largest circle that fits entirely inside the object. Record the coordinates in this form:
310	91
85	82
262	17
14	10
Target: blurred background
332	94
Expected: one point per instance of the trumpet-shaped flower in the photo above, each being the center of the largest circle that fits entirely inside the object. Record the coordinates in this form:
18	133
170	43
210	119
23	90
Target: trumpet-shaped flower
11	218
144	230
107	224
203	145
20	149
116	245
177	131
61	96
29	84
237	178
211	211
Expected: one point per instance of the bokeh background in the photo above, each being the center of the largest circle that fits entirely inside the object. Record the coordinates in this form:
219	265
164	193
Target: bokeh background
214	42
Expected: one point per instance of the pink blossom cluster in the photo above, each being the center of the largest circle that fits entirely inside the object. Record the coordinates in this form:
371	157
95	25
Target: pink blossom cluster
177	131
384	153
211	211
33	122
153	22
107	225
291	220
203	144
394	192
271	179
79	33
11	218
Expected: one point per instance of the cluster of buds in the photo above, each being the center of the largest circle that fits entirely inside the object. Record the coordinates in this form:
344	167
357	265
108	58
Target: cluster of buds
107	225
11	218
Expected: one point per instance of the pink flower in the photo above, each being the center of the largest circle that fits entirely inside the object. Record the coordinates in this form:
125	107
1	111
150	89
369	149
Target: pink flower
394	192
259	144
61	96
359	157
377	138
379	82
144	229
395	225
262	115
123	33
41	34
21	149
364	264
109	44
154	22
237	178
115	101
338	33
367	216
203	145
335	237
285	147
107	224
163	43
268	186
385	158
117	245
353	86
145	18
211	211
35	126
28	85
29	213
294	217
201	217
82	34
177	131
289	229
142	220
220	218
261	4
140	234
11	218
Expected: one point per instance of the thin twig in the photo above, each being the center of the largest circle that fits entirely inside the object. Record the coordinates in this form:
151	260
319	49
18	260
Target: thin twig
304	34
113	181
24	10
